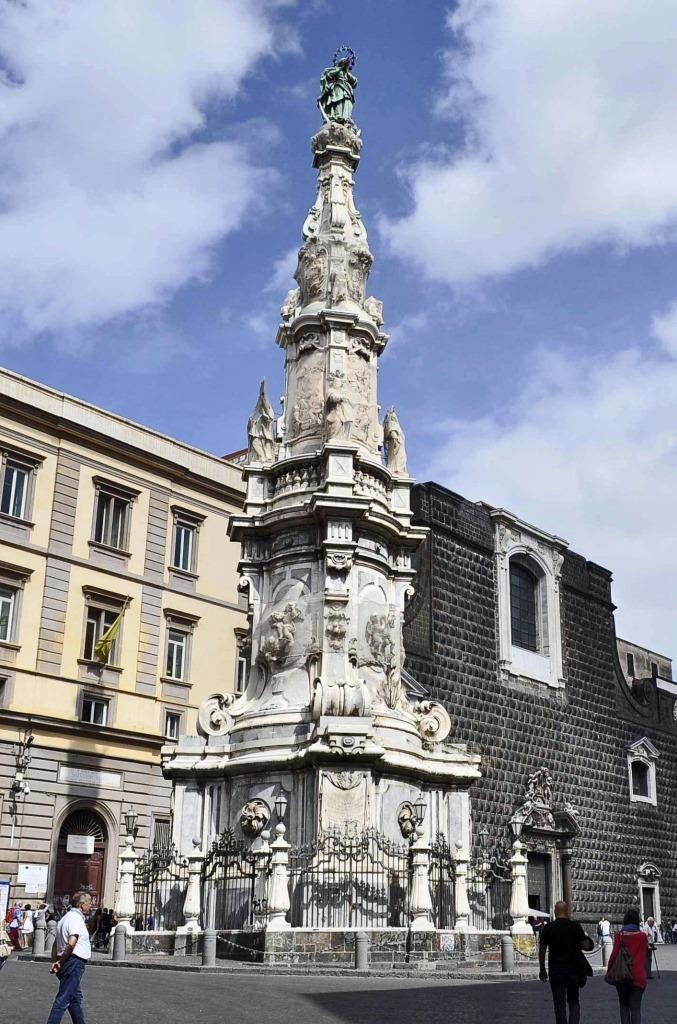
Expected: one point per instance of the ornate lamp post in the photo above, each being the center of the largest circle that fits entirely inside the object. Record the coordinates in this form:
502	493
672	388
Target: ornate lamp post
421	902
126	907
519	900
278	893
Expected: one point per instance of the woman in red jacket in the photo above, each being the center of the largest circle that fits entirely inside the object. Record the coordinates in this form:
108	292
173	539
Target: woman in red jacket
636	942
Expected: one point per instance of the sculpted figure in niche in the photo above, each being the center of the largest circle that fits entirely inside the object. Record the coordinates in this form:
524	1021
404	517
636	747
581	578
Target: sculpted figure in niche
312	271
339	417
290	305
254	817
393	436
379	640
275	645
261	429
337	88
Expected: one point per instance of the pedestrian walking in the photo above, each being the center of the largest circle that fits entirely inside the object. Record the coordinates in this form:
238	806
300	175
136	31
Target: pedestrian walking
73	949
568	969
27	928
14	926
651	931
635	941
5	945
604	928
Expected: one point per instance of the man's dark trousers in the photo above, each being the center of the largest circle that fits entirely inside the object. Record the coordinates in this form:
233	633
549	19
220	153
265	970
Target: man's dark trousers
565	990
69	996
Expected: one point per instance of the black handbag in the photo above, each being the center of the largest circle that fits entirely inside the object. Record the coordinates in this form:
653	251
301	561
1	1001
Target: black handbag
620	971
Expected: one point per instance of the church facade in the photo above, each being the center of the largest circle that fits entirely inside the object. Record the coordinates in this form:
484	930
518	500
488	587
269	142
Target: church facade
576	729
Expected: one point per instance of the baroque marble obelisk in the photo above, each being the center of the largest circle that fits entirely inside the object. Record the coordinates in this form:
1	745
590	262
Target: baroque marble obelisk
328	716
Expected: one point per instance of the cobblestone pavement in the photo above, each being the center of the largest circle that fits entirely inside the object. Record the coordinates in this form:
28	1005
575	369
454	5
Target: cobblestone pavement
125	996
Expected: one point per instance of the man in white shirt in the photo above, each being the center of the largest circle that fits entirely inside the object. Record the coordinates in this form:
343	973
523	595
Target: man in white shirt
73	950
604	929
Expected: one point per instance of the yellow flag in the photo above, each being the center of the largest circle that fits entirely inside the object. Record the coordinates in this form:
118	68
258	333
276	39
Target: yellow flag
102	647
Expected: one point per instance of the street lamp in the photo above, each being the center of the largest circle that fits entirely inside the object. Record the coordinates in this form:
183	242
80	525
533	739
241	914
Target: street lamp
483	836
516	826
131	818
281	805
420	807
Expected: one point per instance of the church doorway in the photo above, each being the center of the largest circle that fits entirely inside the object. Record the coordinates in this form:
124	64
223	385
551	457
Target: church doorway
80	857
538	881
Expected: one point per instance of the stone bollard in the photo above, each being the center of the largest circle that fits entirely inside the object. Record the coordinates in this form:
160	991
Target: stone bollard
50	942
120	943
209	947
507	954
39	935
361	951
607	946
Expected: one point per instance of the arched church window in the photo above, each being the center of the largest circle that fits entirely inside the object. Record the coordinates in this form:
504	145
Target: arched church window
523	603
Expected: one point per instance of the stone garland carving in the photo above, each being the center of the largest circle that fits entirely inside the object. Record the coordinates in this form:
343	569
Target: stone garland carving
344	780
276	644
254	817
340	697
360	346
359	265
261	429
311	273
393	436
309	342
339	561
213	716
432	721
336	628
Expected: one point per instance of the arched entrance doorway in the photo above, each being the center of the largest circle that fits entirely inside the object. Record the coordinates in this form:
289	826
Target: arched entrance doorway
80	856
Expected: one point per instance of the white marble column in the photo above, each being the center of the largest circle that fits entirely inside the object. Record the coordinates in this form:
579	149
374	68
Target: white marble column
278	892
461	904
519	900
421	906
125	907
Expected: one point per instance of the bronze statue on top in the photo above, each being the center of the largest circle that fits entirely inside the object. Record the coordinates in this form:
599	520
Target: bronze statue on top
337	88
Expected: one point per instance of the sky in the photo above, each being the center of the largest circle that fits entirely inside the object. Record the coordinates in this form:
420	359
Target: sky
519	185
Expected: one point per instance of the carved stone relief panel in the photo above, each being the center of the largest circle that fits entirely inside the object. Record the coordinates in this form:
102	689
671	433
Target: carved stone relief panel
312	271
305	408
344	800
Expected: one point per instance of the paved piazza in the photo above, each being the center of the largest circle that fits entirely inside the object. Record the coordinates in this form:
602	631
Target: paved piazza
131	996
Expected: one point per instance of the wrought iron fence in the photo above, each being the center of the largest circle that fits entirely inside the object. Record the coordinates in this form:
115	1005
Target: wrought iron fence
160	882
228	883
346	880
489	890
442	883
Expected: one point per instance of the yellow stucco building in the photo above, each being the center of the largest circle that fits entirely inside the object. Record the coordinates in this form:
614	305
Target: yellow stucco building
103	523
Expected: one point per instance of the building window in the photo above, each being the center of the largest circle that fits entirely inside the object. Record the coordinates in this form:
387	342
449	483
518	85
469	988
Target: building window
177	650
172	725
94	710
178	645
630	661
15	481
7	612
529	565
162	834
523	591
112	514
184	540
241	676
111	520
98	621
184	545
642	757
654	670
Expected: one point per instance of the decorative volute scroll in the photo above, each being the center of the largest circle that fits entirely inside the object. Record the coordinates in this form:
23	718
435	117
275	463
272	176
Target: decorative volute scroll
432	721
213	716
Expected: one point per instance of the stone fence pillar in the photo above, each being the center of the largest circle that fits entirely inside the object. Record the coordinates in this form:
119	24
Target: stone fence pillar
125	907
519	901
461	904
191	904
39	935
278	891
420	906
261	897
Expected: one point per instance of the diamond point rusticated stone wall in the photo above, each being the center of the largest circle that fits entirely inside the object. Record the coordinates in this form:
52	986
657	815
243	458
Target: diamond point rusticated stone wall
580	733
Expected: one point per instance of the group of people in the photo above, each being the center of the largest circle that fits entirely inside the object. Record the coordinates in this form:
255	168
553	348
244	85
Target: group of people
18	928
565	944
20	923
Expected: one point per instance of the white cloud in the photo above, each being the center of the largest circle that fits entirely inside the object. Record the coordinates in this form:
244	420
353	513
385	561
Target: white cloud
587	450
567	110
282	277
664	329
109	198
